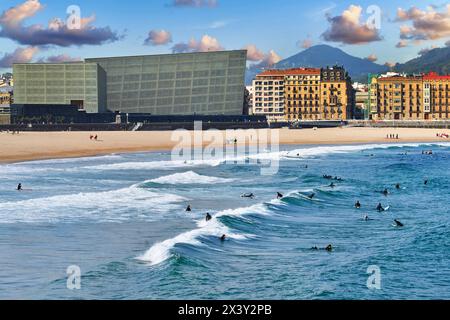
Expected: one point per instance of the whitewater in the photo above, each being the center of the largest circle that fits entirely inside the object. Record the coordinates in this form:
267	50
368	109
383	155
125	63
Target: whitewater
122	219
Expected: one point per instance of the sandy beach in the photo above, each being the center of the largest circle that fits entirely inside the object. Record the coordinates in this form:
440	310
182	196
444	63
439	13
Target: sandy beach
27	146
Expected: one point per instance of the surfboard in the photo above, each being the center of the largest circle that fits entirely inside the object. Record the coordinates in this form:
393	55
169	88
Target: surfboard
387	208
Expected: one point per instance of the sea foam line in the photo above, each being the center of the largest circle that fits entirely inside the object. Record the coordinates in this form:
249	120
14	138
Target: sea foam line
161	251
189	177
114	205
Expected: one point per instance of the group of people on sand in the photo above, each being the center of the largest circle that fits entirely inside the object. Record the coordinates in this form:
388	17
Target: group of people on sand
442	135
392	136
93	137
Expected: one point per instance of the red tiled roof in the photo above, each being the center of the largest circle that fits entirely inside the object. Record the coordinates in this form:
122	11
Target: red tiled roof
290	72
435	76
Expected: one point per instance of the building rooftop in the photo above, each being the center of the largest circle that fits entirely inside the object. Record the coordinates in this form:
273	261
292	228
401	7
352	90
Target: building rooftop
435	76
290	72
400	78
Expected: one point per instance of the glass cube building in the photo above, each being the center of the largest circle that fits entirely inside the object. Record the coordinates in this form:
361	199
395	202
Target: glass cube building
81	84
209	83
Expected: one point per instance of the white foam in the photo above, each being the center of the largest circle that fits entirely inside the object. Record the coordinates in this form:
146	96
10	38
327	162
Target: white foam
160	252
150	165
189	177
115	205
323	150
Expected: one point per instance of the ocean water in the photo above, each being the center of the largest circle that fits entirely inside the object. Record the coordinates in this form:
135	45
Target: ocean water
122	220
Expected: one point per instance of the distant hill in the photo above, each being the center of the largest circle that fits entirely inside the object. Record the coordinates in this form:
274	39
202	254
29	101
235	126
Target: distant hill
436	60
322	56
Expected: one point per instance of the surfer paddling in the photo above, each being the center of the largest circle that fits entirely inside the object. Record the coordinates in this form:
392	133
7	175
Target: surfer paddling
380	208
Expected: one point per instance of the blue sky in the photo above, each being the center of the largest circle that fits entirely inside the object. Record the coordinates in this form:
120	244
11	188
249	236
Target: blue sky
278	25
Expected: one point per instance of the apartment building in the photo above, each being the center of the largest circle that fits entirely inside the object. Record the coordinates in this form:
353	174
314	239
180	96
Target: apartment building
268	99
6	99
436	96
402	97
337	94
304	94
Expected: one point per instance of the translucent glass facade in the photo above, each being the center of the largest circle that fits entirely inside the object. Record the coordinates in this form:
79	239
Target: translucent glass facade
209	83
61	83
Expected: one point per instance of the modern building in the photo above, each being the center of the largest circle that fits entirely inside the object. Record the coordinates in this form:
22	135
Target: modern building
268	100
304	94
416	97
81	84
209	83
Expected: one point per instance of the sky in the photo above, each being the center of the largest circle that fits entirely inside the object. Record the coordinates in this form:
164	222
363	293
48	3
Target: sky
389	32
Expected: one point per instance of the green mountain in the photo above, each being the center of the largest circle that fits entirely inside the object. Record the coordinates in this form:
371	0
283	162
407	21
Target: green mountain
436	60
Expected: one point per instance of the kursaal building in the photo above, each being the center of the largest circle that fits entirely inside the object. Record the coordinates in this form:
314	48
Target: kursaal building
210	83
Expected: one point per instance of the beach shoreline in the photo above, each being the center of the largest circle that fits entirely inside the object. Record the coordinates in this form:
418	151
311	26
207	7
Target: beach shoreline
32	146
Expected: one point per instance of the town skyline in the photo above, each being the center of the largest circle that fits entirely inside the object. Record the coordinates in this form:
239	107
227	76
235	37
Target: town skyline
382	32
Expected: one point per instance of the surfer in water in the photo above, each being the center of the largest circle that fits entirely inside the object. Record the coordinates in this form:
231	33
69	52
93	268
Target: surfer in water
279	195
380	207
208	217
311	196
366	218
425	182
385	192
332	185
358	205
223	237
19	187
398	223
188	209
329	248
248	195
397	186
